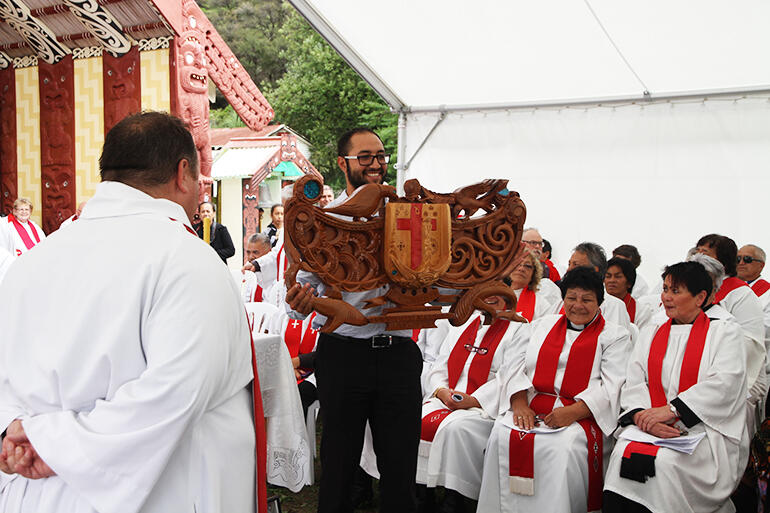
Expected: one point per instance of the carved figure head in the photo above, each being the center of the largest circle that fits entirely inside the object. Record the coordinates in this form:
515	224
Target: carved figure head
119	76
57	196
56	96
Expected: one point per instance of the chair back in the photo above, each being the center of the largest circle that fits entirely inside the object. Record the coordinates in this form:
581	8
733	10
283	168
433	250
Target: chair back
259	314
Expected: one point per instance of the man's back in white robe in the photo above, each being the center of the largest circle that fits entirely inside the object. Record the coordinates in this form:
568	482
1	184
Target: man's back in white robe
125	352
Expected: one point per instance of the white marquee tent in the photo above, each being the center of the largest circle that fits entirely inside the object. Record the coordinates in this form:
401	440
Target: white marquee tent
616	122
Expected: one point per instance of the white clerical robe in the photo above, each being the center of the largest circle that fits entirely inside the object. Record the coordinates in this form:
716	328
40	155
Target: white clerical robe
640	287
455	457
129	370
6	259
31	229
6	241
272	268
560	459
550	291
703	480
430	341
746	307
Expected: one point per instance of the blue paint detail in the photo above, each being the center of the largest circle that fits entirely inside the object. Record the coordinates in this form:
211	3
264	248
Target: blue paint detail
312	190
395	272
505	192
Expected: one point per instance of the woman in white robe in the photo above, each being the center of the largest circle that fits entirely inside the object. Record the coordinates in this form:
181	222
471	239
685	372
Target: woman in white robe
25	233
525	281
619	280
687	375
586	404
455	432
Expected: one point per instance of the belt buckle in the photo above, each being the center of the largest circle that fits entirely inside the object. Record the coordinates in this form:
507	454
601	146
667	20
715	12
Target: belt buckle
382	341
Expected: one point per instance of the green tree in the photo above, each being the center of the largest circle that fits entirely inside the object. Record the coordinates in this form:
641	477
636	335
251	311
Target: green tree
321	97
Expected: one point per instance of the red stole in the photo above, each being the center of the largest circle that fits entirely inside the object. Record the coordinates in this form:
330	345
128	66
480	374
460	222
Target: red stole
526	303
25	238
553	274
299	341
760	287
260	431
478	373
729	285
257	294
688	376
630	306
281	264
576	378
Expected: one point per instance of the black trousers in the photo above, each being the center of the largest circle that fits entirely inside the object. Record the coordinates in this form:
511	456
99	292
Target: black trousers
307	395
357	383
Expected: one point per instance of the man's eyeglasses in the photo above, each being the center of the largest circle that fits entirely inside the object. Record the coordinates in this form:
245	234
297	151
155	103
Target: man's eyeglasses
536	243
366	160
748	259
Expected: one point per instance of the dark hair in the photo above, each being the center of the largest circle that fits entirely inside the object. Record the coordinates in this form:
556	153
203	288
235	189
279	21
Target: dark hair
274	207
692	275
343	143
547	247
145	149
726	249
595	254
213	206
626	267
583	278
630	252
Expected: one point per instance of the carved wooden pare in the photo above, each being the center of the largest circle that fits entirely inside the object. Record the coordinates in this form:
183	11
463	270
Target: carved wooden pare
430	248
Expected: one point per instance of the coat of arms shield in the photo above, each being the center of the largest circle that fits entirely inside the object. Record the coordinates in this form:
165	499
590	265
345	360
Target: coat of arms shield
418	239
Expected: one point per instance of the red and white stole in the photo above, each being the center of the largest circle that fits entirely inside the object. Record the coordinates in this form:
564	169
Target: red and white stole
23	233
729	285
298	340
281	263
639	458
760	286
478	373
630	306
526	303
257	294
576	378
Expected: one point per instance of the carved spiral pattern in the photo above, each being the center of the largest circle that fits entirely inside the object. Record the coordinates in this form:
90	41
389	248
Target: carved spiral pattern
5	61
37	35
154	43
101	24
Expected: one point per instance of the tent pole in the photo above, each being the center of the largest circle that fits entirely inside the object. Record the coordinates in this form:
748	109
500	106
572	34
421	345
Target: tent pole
401	153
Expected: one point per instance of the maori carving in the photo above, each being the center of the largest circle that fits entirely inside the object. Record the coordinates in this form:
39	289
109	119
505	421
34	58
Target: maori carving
57	129
250	210
5	61
154	43
86	52
101	24
122	87
289	152
26	61
192	80
8	162
35	33
421	245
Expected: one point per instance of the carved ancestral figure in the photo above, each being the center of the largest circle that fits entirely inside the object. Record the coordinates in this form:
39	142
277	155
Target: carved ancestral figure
7	141
122	87
58	196
417	247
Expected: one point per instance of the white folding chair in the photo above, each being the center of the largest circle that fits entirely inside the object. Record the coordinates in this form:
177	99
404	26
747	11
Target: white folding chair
259	315
310	420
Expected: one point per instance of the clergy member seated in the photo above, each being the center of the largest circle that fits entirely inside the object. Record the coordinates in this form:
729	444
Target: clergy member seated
751	261
250	282
630	253
300	339
25	233
619	282
588	254
559	405
553	273
685	377
220	238
462	403
534	242
525	281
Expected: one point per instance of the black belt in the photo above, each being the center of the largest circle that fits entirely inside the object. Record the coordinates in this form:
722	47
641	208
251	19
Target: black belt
375	342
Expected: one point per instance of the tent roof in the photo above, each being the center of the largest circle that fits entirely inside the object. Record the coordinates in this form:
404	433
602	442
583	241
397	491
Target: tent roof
504	54
241	162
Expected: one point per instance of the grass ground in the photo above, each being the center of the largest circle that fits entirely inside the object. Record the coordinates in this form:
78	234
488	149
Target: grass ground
306	500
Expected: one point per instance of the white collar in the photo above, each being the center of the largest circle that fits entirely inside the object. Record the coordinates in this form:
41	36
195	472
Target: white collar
116	199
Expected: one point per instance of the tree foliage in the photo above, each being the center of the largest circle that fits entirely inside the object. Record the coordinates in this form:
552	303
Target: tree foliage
312	89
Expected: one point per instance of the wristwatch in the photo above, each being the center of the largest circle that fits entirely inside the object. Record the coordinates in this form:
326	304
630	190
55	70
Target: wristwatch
673	410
